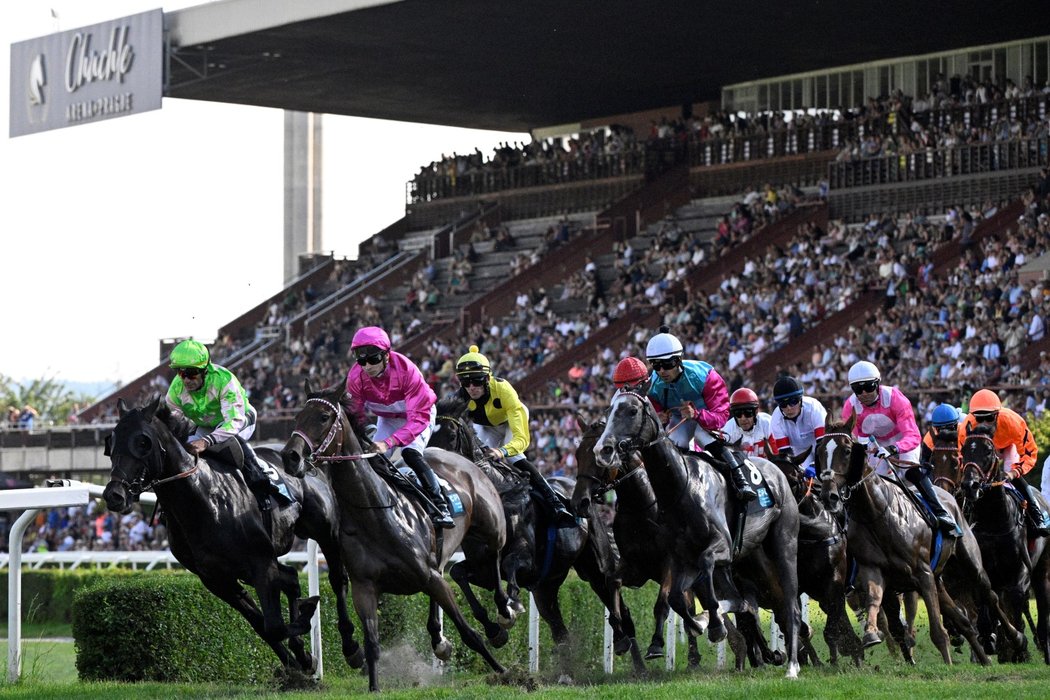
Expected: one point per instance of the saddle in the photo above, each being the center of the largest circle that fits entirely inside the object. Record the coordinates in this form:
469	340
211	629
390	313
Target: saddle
917	500
232	453
401	478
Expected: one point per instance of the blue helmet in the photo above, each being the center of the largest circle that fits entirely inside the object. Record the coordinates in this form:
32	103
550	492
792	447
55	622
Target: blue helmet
944	415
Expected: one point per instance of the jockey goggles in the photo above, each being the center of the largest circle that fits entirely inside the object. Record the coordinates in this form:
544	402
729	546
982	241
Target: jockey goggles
373	358
788	401
985	416
865	387
743	412
474	380
664	365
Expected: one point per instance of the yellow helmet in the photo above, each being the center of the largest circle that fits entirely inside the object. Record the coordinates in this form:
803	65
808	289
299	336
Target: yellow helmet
473	363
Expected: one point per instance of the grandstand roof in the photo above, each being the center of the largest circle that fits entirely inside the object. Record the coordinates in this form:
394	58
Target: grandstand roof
515	66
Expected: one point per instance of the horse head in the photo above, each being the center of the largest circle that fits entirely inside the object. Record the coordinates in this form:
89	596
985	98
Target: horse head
136	449
632	423
322	429
791	465
945	460
840	463
981	462
589	477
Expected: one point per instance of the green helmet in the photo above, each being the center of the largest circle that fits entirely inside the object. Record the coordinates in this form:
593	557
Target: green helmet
473	363
189	353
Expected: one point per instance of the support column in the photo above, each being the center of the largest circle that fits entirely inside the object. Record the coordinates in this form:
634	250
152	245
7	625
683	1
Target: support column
302	189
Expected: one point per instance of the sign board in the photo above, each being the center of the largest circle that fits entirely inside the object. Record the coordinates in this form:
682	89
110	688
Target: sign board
89	74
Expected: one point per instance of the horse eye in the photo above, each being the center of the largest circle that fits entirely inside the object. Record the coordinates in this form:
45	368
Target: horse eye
140	446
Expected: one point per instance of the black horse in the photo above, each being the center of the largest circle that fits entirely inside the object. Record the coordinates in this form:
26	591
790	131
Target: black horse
217	531
1016	560
692	499
642	539
387	537
537	555
896	549
822	563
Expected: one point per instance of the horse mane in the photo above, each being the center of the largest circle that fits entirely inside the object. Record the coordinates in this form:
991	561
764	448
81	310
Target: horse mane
982	429
452	405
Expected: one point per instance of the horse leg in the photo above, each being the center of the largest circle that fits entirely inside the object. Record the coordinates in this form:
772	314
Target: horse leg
809	654
366	603
737	644
441	646
608	591
896	627
300	614
682	603
495	633
231	592
969	558
1041	592
872	603
957	618
929	589
660	610
545	596
439	591
339	581
788	616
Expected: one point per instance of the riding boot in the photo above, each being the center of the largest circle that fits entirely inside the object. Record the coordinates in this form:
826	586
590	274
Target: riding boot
1036	513
945	522
441	517
735	467
257	480
562	516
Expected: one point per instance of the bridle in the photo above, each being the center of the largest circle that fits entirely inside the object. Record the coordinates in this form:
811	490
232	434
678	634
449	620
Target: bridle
317	452
986	475
151	462
957	470
632	443
846	491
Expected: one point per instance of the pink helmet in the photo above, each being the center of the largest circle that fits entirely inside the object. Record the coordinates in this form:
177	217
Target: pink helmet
371	335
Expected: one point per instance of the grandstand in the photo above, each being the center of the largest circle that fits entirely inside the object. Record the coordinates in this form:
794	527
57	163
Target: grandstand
526	252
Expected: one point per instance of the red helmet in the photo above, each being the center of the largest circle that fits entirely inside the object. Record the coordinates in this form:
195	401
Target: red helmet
629	372
743	398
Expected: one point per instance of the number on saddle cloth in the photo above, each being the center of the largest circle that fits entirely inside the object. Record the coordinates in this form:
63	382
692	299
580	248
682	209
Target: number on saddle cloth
758	482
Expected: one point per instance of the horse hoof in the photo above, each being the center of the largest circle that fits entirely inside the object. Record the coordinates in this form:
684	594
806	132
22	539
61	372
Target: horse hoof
622	645
871	639
443	650
776	658
694	660
654	652
516	607
507	622
356	658
792	671
716	633
703	620
500	638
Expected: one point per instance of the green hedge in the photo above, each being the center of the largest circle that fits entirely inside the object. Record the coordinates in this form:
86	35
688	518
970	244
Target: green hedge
165	626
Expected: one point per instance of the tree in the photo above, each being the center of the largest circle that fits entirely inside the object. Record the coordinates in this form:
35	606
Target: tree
52	399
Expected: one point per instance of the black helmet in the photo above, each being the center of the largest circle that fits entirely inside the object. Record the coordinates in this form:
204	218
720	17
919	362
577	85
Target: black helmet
786	388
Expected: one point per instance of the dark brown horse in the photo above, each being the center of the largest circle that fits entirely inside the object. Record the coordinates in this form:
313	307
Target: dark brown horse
1016	561
387	538
692	500
537	555
216	530
822	563
896	549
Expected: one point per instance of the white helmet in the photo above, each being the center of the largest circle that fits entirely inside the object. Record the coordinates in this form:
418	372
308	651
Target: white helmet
663	345
864	371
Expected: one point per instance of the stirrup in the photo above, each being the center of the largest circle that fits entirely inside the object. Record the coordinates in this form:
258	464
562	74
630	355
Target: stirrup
745	493
443	519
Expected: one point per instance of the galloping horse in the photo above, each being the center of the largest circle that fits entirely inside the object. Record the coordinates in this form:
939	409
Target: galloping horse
216	530
387	538
692	499
822	563
641	538
537	556
1015	561
896	549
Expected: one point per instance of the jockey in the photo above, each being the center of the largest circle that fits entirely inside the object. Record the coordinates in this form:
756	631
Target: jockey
945	418
501	422
797	422
885	415
389	385
747	424
213	400
1011	431
693	396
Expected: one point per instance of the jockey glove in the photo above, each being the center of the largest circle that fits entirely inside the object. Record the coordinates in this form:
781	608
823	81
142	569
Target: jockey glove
810	472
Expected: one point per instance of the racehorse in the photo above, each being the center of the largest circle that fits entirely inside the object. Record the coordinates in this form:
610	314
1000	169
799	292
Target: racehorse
822	562
896	549
640	537
692	498
216	530
537	556
388	538
1015	560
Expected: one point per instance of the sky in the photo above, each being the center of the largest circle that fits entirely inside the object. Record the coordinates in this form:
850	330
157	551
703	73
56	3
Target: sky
113	234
